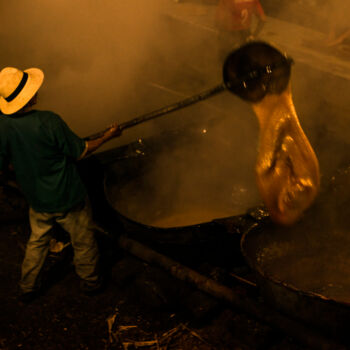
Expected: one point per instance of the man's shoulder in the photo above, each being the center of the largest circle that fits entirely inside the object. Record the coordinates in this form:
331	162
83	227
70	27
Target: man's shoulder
46	114
47	117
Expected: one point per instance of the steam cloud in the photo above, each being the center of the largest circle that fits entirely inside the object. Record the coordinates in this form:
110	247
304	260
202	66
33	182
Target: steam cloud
113	60
92	53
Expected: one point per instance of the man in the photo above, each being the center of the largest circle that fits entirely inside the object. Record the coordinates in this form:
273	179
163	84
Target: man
235	22
42	151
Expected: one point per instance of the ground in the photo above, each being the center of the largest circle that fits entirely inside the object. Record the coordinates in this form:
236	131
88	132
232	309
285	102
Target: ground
141	303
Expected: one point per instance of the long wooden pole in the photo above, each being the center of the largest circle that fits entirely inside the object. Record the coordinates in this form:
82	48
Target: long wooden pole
165	110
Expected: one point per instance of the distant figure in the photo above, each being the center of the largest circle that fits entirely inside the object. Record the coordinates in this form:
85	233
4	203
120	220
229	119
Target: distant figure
235	22
43	151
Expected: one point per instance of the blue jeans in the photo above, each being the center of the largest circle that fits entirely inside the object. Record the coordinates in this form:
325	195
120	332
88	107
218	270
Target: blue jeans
78	223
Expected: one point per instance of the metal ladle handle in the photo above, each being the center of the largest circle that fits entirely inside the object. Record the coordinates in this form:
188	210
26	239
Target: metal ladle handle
250	72
165	110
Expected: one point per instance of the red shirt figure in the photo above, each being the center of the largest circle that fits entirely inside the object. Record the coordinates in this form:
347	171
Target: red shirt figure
236	15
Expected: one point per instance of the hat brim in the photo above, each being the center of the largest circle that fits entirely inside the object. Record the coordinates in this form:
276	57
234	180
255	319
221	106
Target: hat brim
35	79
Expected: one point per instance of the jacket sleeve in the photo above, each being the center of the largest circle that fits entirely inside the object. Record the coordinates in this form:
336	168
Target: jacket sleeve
67	141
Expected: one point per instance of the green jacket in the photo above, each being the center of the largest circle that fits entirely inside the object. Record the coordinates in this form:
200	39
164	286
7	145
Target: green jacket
43	152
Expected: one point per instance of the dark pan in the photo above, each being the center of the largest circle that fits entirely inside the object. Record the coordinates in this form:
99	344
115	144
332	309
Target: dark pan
304	270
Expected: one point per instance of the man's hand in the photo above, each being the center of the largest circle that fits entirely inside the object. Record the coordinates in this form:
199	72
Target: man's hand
112	131
94	144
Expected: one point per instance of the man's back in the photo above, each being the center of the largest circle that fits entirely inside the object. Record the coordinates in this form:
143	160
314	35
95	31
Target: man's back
43	151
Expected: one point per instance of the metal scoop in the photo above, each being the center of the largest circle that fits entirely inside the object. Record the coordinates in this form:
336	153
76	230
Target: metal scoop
287	170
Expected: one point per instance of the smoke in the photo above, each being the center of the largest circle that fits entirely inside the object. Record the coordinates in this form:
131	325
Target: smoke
113	60
319	15
110	60
193	175
320	79
91	52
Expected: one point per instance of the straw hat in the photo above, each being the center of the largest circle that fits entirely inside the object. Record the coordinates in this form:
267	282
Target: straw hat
18	87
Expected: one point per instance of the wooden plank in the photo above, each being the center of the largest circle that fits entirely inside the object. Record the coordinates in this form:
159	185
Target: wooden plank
305	45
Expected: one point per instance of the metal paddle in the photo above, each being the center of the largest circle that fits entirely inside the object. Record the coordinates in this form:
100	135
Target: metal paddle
165	110
250	82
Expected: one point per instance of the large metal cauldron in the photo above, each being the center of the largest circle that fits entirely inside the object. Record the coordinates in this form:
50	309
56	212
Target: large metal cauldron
178	179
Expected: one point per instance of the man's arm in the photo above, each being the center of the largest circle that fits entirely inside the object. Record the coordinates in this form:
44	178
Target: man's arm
71	145
92	145
261	19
